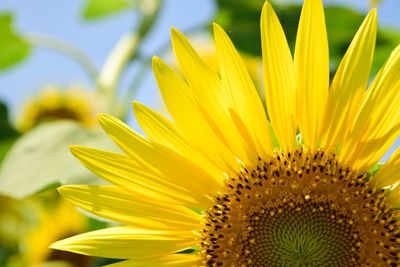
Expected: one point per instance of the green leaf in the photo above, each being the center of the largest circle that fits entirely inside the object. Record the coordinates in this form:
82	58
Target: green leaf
6	130
5	145
95	9
96	224
241	20
8	134
41	157
387	40
13	48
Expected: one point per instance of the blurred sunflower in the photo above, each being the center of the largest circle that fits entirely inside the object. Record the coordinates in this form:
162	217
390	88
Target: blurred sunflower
9	222
50	219
54	103
263	204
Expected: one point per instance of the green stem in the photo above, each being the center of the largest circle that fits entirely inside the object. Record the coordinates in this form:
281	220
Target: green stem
133	88
65	48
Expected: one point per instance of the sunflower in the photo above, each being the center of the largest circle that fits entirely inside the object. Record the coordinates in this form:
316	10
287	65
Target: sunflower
223	185
54	103
51	221
9	221
29	226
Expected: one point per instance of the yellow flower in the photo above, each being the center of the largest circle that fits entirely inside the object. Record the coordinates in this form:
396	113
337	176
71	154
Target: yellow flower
9	221
55	220
309	204
53	103
59	221
29	226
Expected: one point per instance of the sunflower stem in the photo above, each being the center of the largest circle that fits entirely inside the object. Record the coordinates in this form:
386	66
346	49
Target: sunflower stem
65	48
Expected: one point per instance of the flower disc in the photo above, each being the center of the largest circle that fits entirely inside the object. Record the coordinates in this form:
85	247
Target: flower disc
303	209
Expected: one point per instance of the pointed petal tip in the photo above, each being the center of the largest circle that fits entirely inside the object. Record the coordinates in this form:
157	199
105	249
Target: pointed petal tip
266	7
155	62
54	245
174	31
67	245
267	13
159	66
138	107
373	15
76	150
136	104
59	245
106	119
101	117
109	123
176	35
61	189
155	59
216	27
64	191
219	34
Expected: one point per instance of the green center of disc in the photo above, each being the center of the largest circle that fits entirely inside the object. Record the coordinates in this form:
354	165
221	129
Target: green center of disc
308	234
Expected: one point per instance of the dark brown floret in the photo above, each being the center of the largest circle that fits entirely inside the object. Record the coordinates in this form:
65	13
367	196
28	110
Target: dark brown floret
300	209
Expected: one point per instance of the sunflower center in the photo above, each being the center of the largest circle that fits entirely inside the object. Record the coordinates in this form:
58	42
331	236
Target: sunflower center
298	233
57	114
300	209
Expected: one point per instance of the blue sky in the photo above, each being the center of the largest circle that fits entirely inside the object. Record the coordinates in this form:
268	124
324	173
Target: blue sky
95	38
62	19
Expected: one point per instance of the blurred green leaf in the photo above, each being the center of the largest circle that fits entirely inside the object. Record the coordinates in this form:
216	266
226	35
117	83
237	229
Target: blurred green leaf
8	134
6	130
5	145
41	157
13	48
6	251
96	224
241	20
387	40
95	9
100	262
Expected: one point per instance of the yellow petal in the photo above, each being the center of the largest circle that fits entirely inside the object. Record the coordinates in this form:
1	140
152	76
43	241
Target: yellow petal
174	167
113	203
174	260
134	176
378	122
394	197
279	78
349	84
215	99
389	173
163	131
124	242
244	97
241	128
311	60
190	119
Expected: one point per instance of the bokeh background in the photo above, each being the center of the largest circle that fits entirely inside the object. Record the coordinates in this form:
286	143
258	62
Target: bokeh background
61	62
